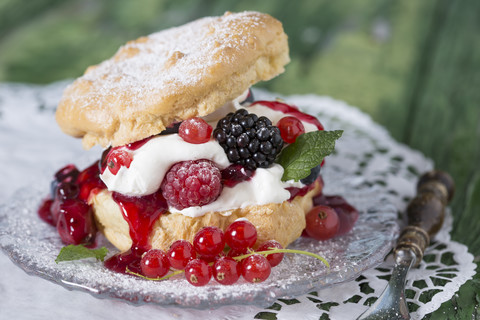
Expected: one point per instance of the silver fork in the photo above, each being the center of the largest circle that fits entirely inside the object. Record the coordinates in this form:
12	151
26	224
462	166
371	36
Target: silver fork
425	217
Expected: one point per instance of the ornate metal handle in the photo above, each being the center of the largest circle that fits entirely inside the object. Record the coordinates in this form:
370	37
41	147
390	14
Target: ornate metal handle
426	212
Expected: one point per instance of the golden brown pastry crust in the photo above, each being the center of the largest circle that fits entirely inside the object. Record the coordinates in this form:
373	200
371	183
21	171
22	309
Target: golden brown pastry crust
283	222
172	75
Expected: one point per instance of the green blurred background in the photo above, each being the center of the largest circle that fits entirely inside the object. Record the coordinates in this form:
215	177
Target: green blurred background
414	66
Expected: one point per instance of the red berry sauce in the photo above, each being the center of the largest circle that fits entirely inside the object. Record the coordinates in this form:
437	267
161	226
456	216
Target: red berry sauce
67	209
138	144
294	191
234	174
290	110
140	214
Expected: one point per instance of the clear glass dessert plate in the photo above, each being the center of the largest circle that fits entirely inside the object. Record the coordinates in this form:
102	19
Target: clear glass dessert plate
366	165
33	245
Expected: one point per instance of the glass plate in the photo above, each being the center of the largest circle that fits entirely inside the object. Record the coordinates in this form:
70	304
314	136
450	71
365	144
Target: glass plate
33	245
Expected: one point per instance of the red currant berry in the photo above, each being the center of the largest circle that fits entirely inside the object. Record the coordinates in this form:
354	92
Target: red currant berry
118	158
209	241
55	209
275	258
195	130
44	212
290	128
256	268
75	222
180	253
241	235
68	174
67	190
198	272
87	187
322	223
155	263
347	214
232	253
208	259
226	270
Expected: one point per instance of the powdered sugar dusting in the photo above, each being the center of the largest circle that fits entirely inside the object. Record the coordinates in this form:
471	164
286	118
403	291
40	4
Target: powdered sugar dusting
174	58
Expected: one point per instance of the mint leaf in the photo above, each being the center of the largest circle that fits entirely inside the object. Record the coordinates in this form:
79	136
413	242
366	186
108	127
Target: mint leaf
72	252
306	153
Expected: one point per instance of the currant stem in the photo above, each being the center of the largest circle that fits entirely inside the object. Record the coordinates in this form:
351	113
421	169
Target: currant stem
276	250
174	273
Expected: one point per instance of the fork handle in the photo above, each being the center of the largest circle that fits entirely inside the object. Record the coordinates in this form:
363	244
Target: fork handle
426	212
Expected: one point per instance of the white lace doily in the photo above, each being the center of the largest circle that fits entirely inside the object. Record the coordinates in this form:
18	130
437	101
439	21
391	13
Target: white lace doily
374	159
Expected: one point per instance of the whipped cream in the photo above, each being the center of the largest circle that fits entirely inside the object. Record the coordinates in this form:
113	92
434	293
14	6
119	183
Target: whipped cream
153	160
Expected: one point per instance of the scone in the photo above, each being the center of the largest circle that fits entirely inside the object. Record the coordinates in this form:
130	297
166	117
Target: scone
172	75
186	145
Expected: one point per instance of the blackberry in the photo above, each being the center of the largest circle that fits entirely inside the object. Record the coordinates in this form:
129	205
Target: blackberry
248	140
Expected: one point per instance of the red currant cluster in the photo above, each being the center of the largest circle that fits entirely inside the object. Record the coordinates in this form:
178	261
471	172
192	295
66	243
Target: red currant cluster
224	255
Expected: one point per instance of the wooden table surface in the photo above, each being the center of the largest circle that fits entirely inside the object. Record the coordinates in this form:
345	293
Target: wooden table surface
414	66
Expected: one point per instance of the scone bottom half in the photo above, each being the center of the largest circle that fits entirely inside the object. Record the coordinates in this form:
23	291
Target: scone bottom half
283	222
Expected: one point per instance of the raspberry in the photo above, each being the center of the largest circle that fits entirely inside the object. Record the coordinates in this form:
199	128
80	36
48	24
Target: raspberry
248	140
191	183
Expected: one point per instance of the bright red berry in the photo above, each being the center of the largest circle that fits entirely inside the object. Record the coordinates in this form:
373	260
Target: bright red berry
275	258
198	272
118	158
68	174
155	264
322	223
180	253
226	270
232	253
241	235
209	241
347	214
89	173
290	128
256	268
44	212
87	187
67	190
191	183
195	130
75	222
208	259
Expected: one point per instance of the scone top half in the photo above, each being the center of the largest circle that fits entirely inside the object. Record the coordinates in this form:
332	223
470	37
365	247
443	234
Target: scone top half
172	75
